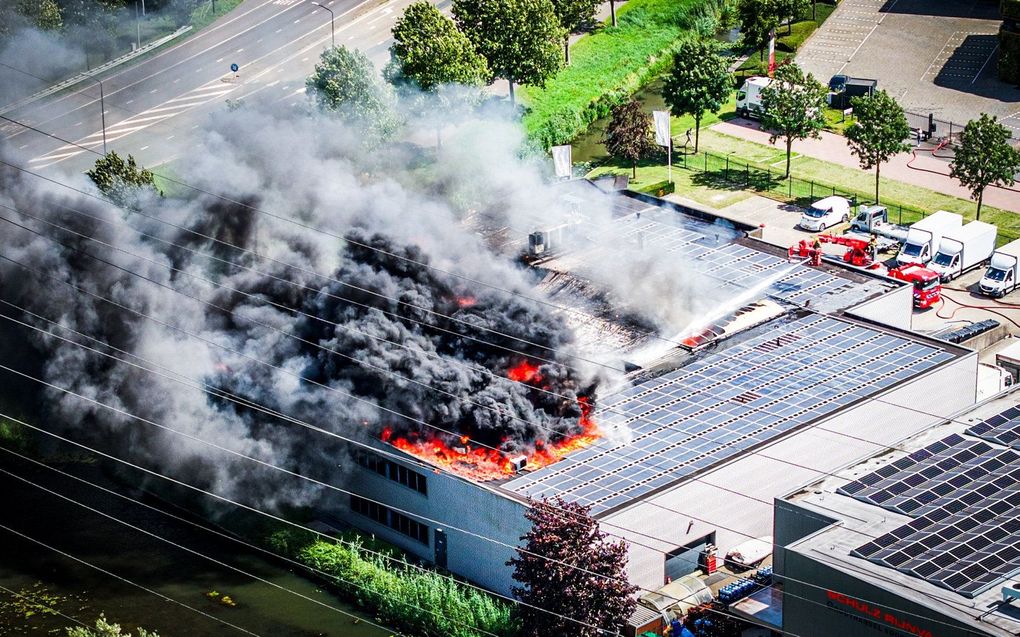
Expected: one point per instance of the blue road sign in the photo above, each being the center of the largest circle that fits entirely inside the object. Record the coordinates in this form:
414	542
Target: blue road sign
234	67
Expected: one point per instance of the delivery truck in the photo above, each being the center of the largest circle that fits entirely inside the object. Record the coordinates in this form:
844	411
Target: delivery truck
964	249
749	96
924	237
875	220
1001	277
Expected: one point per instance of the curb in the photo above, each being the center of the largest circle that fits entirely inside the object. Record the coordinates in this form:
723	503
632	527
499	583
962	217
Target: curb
81	77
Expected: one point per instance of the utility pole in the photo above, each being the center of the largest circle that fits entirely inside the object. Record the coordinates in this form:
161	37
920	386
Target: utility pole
332	27
102	112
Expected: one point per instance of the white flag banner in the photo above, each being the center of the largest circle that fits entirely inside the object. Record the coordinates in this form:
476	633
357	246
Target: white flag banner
563	160
661	127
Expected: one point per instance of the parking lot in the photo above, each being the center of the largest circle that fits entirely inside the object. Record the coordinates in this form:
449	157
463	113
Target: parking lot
933	56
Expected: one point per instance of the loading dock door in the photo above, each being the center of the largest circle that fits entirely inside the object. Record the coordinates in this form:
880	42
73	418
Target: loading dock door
684	560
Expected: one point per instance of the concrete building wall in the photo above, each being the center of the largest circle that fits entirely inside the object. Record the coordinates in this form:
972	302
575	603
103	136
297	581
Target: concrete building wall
821	600
450	502
894	308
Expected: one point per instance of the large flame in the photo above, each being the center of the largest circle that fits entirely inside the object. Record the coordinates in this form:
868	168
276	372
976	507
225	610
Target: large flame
472	460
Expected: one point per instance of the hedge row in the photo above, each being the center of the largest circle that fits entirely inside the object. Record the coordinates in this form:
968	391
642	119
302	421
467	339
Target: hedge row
1009	56
1010	9
609	66
413	601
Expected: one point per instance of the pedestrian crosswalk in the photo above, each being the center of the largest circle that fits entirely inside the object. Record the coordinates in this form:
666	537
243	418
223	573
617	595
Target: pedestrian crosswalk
196	97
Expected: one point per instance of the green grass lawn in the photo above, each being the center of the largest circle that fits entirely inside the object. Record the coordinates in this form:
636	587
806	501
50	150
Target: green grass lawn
755	168
608	67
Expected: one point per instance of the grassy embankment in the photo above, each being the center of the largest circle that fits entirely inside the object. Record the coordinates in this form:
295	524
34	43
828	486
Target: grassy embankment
612	64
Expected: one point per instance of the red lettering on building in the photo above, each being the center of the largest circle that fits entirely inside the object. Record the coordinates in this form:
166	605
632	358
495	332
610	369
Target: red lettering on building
870	610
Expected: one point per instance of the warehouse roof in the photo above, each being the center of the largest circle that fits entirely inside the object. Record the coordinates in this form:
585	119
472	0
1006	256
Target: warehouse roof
937	521
778	378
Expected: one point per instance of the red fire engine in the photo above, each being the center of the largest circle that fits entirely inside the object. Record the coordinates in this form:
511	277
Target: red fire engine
927	284
859	253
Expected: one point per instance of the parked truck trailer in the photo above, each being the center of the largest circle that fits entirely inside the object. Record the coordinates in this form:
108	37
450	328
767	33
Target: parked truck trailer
964	249
1001	277
924	237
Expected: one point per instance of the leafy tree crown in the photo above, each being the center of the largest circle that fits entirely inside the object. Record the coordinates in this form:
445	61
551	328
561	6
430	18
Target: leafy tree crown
429	51
985	156
699	81
879	130
569	567
793	104
520	39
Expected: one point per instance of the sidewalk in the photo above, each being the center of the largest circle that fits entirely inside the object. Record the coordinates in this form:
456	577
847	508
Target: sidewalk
833	148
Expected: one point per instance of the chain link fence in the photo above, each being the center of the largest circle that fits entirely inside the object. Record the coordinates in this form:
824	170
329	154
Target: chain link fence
725	172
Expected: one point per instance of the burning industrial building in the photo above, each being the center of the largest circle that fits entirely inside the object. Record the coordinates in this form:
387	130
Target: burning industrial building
640	367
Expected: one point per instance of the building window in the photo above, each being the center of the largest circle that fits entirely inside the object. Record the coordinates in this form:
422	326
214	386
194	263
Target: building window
388	517
389	469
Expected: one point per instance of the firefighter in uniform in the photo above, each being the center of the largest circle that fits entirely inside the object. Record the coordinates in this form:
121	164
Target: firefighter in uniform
873	248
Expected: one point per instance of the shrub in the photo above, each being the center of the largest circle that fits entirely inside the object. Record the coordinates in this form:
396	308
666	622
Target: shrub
1009	56
411	600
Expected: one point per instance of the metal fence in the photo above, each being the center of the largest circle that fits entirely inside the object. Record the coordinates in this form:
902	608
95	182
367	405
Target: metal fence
941	129
722	171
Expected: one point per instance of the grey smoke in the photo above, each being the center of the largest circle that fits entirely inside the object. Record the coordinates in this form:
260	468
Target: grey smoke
315	171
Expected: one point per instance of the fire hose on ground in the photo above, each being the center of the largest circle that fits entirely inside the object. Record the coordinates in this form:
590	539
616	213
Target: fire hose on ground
913	157
990	308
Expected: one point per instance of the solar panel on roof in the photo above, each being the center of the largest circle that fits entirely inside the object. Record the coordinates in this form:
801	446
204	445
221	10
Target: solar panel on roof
1003	428
704	425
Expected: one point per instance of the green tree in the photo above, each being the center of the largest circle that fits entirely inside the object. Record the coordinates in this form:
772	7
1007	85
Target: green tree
519	38
700	81
757	19
573	14
985	157
45	14
569	568
629	134
431	64
106	629
792	9
792	107
429	51
345	83
879	132
121	180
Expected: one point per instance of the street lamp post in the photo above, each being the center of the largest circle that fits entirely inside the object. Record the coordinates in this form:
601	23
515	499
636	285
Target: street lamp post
102	112
332	26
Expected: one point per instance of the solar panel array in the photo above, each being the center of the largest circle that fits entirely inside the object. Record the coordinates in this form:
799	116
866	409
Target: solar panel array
965	497
710	250
1002	428
723	403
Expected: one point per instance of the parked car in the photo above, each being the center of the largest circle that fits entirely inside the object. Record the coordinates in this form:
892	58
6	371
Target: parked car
825	213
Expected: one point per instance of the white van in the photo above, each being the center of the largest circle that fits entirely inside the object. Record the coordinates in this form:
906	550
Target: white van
825	214
749	96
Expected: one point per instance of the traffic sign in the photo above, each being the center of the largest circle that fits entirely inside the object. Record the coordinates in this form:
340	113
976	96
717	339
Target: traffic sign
234	67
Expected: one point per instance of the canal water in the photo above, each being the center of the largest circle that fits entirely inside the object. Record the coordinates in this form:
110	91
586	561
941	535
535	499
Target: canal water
588	146
83	592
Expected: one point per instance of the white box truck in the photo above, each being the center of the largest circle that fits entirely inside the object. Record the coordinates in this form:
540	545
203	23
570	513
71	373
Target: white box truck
749	96
924	237
964	249
1001	277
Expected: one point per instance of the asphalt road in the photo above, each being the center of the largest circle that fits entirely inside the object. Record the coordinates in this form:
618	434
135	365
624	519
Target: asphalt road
154	106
